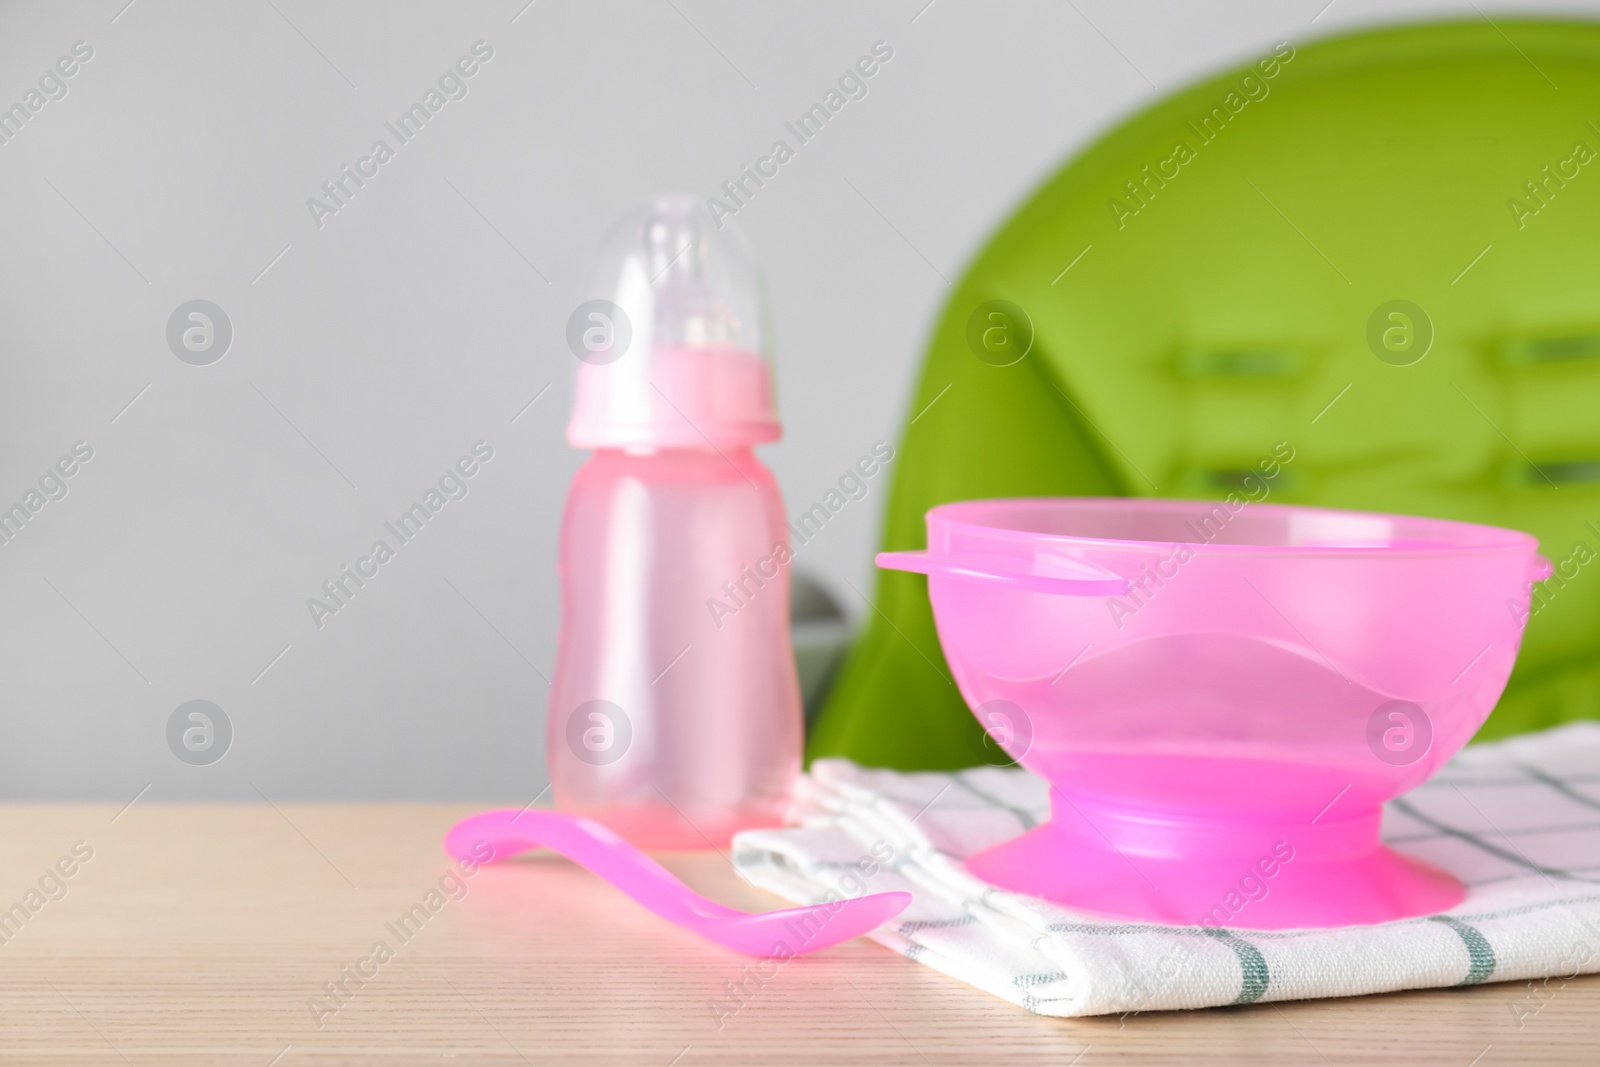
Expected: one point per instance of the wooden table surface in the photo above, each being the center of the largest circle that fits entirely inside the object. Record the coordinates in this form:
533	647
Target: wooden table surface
200	934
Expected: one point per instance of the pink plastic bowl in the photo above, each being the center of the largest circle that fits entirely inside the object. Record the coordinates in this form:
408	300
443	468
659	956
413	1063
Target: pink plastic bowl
1223	698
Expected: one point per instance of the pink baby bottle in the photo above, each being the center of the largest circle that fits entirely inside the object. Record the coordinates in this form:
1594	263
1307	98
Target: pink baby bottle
675	711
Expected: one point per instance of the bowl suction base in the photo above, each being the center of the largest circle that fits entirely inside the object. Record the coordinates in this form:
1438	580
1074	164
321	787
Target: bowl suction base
1244	874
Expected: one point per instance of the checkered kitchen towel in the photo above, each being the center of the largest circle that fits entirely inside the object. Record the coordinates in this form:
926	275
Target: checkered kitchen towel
1518	821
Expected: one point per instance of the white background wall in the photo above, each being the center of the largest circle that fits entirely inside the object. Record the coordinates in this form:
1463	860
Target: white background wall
424	316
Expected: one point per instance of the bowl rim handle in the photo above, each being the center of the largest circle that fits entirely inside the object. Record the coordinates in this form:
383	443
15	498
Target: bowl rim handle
920	562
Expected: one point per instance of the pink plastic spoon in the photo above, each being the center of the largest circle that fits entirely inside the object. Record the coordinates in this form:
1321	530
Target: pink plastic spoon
789	932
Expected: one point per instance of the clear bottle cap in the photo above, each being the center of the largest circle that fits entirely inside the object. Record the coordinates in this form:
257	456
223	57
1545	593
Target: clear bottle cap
675	347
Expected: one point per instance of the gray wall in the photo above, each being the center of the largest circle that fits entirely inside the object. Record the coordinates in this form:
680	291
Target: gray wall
371	351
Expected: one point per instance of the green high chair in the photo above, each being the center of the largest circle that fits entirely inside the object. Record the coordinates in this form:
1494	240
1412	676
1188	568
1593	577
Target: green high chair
1381	251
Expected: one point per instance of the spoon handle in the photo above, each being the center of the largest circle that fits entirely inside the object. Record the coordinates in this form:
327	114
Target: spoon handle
497	835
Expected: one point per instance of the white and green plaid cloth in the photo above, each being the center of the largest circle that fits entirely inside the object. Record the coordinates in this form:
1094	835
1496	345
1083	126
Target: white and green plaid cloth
1518	821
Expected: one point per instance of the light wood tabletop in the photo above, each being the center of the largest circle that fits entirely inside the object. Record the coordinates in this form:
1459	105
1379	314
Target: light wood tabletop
211	934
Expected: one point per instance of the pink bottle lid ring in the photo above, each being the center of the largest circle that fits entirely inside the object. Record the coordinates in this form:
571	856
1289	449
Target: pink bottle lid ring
677	355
